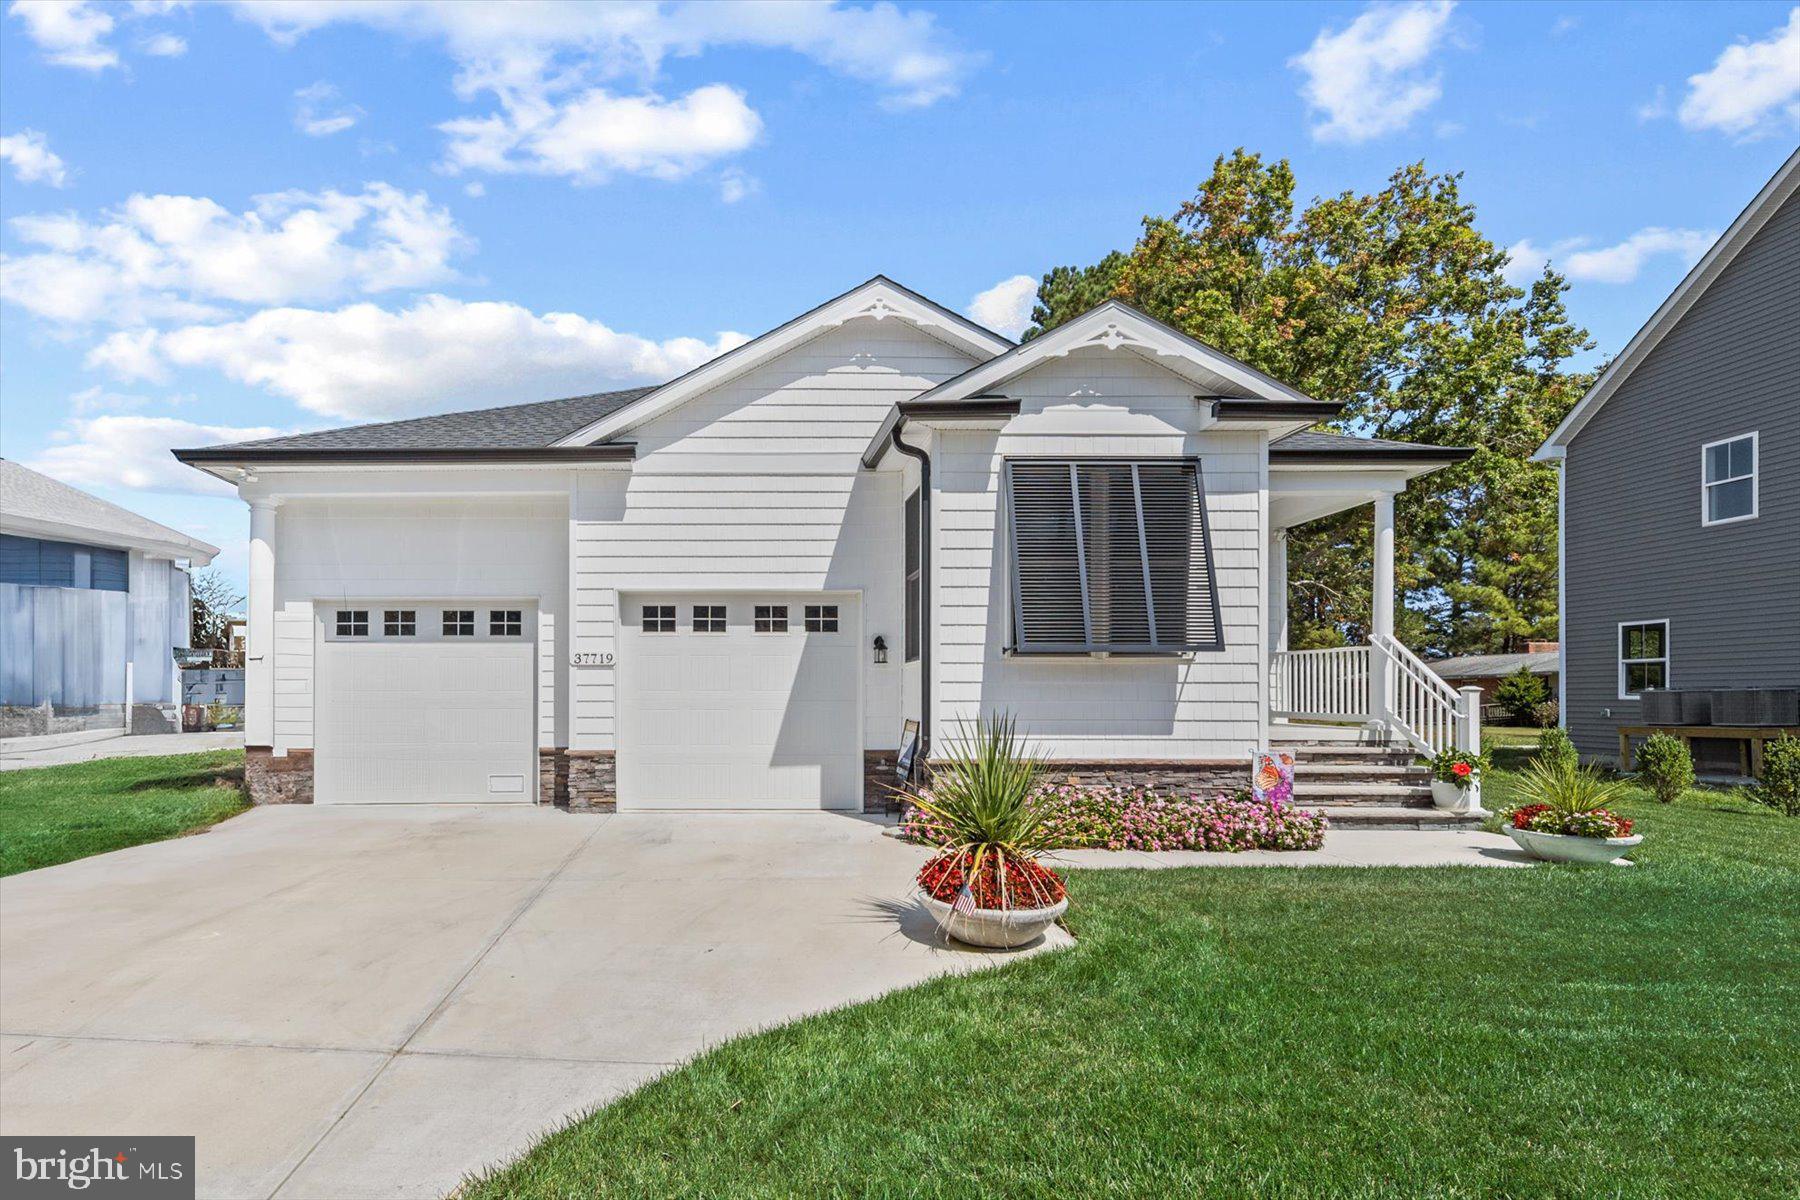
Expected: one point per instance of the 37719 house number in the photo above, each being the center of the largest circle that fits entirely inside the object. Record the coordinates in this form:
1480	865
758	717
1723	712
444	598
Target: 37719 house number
590	659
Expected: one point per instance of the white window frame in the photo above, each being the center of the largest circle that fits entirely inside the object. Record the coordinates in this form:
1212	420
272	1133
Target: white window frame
1666	658
1706	485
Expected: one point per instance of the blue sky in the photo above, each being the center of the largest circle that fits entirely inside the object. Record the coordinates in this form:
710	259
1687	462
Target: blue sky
222	220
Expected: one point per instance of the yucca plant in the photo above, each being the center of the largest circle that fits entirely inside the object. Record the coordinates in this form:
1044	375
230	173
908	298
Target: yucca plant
981	808
1557	796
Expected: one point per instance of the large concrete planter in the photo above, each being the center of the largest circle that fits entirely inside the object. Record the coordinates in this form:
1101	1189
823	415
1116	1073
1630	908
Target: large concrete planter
1450	798
1561	847
995	928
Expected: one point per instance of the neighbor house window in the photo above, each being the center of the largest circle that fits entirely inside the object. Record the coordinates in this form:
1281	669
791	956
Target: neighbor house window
459	622
914	561
659	618
353	622
33	562
1728	480
1643	657
1110	556
771	618
709	618
505	622
821	618
399	622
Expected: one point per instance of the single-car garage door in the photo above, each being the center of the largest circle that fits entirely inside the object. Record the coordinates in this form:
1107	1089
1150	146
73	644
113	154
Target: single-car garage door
739	702
420	703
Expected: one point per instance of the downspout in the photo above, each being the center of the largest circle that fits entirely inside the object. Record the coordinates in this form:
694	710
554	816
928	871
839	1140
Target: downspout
924	461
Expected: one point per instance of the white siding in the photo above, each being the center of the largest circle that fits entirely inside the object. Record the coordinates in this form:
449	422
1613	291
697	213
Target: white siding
1201	706
488	548
755	487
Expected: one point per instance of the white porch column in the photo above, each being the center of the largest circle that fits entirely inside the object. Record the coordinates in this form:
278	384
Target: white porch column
1278	590
259	657
1381	618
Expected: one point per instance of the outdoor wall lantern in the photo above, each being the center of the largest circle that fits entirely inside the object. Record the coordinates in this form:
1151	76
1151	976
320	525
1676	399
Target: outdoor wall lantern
880	649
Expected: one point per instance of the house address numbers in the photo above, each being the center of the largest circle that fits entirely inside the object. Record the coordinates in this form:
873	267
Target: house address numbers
590	659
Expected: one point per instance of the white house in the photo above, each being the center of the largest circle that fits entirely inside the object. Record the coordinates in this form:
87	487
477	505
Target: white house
732	590
94	600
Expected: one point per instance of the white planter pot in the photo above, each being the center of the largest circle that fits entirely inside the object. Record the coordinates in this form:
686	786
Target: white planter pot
995	928
1561	847
1450	798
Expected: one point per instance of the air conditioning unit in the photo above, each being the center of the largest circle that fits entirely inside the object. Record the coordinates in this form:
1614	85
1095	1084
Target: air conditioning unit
1756	706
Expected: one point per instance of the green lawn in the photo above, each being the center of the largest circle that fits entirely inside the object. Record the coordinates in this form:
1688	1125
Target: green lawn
1559	1031
51	815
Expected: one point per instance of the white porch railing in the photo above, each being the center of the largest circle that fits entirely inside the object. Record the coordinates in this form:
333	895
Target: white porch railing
1382	684
1321	685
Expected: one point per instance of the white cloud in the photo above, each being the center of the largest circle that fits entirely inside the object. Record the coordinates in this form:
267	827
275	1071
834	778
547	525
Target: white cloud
124	450
319	111
163	45
71	33
98	399
554	68
1753	88
475	189
1656	107
180	257
1370	77
1005	307
597	134
1621	262
735	185
364	362
32	160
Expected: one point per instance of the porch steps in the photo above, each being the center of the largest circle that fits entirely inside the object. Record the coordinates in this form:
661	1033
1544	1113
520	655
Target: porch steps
1382	816
1367	785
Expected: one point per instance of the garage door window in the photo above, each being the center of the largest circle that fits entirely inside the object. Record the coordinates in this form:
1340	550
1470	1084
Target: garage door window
505	622
709	618
353	622
400	622
821	618
771	618
459	622
659	618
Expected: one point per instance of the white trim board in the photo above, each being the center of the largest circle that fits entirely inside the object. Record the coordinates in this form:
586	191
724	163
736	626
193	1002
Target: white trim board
879	299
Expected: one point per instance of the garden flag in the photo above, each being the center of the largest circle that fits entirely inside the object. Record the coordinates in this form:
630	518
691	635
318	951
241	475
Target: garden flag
1272	776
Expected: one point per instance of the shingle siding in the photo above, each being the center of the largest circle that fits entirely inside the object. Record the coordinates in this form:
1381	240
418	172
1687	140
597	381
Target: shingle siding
1635	548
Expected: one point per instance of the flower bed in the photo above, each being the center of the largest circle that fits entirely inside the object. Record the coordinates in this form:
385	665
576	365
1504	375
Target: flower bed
1139	819
1594	823
1027	884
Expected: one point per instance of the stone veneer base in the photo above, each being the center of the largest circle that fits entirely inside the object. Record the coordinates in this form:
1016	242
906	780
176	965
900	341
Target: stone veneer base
578	780
272	780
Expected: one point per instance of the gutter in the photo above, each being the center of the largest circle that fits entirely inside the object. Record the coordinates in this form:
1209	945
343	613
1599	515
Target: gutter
227	455
1423	454
924	461
975	409
1238	408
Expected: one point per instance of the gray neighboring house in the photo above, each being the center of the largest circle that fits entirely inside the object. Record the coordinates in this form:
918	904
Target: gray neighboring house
88	590
1680	489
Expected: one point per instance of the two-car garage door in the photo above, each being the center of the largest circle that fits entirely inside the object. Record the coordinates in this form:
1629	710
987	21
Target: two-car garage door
739	701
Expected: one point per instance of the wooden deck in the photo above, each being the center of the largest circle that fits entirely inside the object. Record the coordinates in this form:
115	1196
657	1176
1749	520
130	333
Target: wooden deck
1750	739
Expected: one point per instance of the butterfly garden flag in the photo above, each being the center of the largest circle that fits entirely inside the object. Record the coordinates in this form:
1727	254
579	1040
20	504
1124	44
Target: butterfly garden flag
1272	776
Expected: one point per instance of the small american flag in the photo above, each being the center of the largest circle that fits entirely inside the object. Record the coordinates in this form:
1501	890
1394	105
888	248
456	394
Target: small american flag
965	902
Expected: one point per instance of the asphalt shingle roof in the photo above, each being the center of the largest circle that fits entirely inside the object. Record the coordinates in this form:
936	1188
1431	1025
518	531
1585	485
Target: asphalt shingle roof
1314	442
26	495
1482	666
510	427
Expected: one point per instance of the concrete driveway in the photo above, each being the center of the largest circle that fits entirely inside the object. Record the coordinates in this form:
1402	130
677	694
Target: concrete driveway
374	1002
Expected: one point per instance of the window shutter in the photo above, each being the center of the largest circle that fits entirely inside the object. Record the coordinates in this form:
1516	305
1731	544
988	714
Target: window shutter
1111	556
1048	603
1181	575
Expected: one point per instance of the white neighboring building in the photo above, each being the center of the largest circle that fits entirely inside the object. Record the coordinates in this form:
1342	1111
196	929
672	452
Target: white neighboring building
733	589
91	595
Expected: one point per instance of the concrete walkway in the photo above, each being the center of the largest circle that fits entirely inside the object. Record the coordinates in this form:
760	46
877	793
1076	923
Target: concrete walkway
17	754
1343	848
373	1002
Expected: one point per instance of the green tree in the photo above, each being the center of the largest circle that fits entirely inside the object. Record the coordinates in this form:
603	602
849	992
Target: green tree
1520	693
1395	304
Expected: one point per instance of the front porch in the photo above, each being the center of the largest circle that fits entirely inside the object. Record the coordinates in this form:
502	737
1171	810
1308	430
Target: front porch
1378	699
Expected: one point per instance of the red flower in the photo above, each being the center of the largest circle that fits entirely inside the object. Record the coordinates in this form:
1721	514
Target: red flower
1521	817
1461	770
